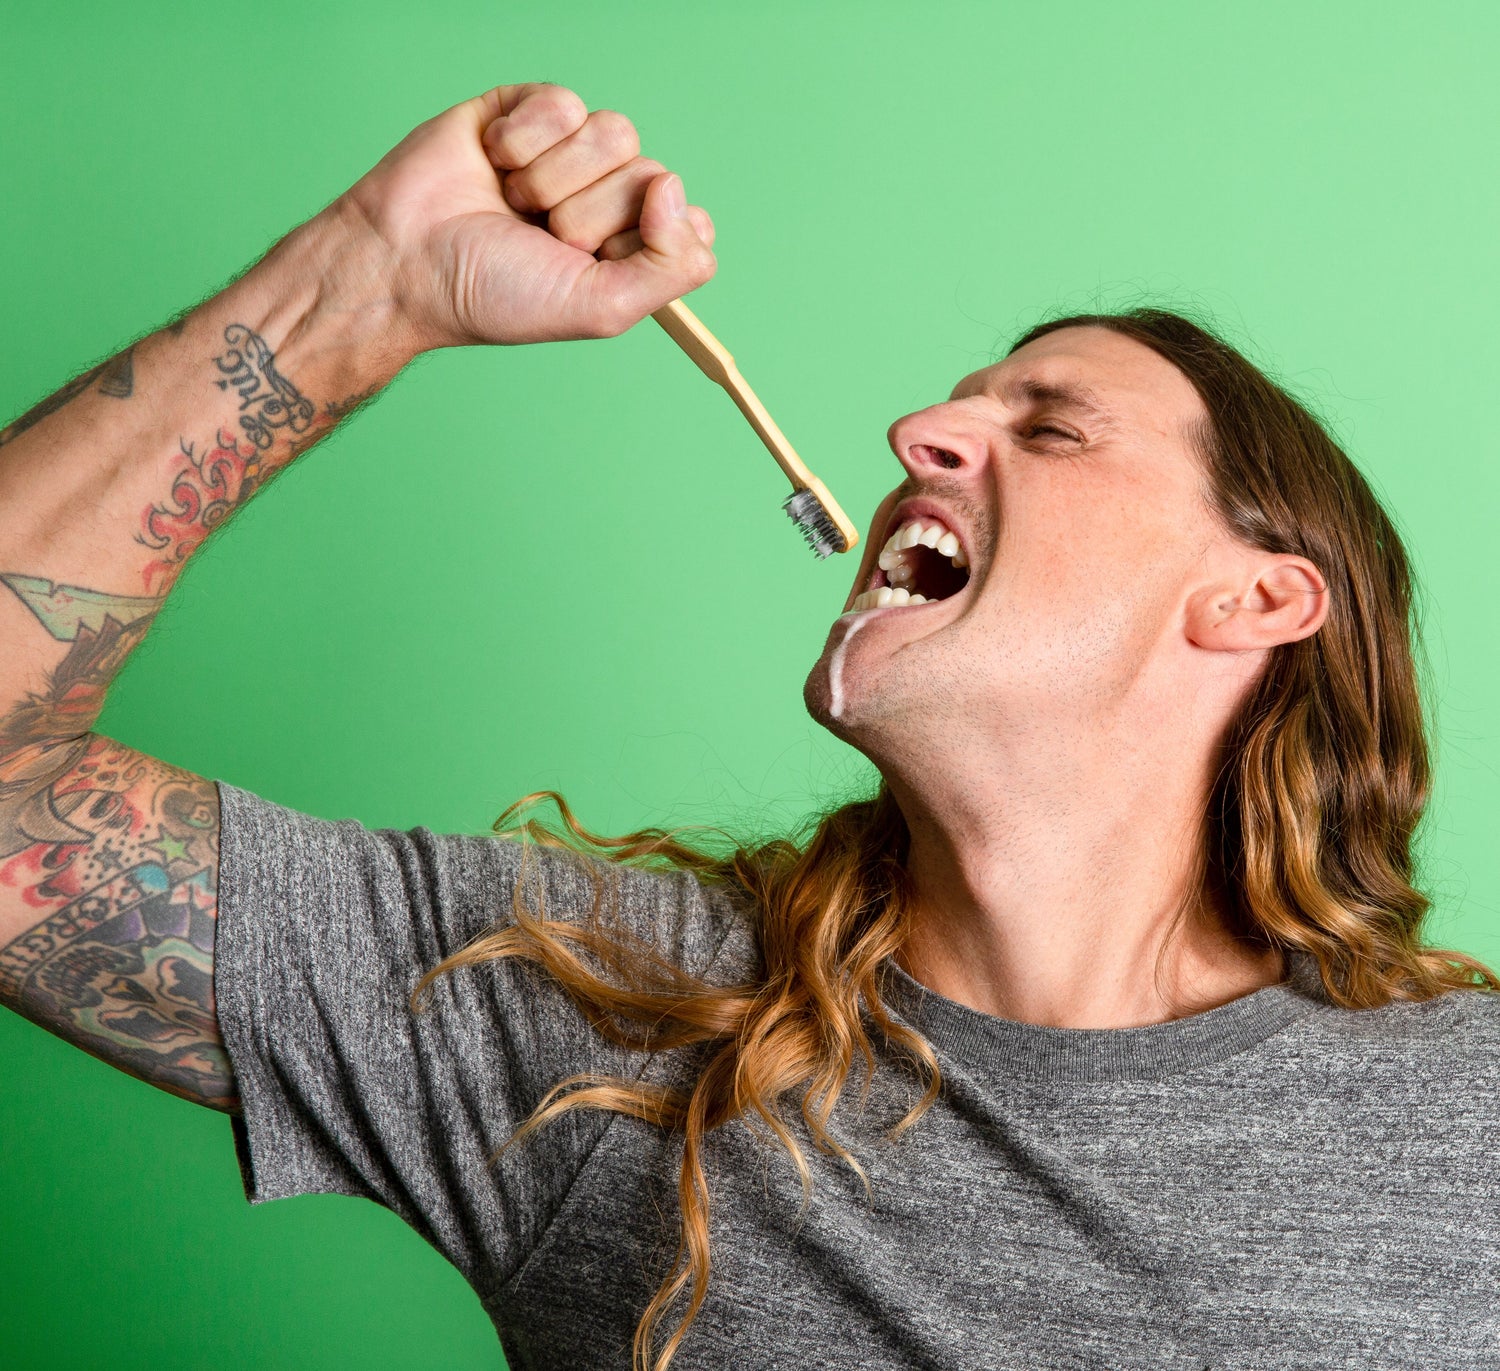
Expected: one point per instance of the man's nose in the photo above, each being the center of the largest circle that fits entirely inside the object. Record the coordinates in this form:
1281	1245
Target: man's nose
940	438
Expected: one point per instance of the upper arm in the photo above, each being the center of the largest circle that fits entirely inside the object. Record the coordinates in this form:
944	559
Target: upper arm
109	869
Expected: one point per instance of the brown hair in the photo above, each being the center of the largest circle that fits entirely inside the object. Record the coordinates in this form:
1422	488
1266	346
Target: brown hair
1324	777
1325	770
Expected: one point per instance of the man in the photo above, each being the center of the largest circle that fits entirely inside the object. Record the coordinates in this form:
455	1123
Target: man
1127	938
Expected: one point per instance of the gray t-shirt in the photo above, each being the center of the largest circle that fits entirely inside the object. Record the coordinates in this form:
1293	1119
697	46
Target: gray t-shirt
1275	1183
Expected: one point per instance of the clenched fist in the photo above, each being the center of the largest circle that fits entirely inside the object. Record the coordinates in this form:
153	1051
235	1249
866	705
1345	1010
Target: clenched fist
521	217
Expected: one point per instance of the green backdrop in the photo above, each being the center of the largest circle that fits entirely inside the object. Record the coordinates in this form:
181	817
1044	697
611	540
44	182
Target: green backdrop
565	565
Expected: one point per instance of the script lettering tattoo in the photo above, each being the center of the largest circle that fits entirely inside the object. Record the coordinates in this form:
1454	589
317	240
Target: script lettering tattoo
116	379
268	401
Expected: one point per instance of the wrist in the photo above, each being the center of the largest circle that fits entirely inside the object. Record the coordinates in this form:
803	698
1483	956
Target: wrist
325	299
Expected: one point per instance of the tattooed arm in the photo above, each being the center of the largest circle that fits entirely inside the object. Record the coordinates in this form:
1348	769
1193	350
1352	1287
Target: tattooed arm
108	859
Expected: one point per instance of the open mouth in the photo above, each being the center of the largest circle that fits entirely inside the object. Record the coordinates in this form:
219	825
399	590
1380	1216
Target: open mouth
922	562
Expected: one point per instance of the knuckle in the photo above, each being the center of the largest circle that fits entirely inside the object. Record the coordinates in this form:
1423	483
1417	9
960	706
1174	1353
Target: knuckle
503	142
702	263
568	228
565	108
519	194
615	135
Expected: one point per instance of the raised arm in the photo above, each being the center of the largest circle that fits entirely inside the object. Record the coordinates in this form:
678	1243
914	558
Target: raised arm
515	217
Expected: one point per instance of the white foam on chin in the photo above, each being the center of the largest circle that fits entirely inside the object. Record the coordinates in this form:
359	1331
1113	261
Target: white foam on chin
852	625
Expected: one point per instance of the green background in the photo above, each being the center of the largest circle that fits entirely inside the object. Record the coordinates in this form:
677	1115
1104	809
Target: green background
565	565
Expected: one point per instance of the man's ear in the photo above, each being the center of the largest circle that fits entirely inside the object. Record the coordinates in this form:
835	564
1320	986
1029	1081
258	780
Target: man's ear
1285	599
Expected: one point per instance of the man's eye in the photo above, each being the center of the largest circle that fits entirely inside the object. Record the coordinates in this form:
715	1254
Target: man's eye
1049	428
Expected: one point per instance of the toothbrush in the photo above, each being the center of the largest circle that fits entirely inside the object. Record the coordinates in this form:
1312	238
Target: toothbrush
815	512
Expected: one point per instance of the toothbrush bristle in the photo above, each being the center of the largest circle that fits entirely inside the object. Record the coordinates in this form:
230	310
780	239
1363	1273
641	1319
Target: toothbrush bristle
807	512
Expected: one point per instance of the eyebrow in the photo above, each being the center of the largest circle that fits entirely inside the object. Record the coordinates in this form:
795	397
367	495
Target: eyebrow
1065	395
1032	392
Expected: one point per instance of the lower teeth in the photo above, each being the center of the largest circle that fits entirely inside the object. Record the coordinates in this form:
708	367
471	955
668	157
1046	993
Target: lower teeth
880	599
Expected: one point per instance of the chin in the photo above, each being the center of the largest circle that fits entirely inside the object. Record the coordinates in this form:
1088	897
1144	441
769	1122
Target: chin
817	694
863	717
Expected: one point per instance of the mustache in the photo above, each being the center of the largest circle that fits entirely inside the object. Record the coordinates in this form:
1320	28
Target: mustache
955	494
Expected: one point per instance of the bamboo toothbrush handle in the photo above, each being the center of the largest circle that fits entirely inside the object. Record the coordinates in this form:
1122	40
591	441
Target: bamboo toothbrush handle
714	360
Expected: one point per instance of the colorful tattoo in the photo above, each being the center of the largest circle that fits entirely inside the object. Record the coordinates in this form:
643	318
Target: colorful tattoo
213	484
114	854
118	855
64	610
217	480
101	631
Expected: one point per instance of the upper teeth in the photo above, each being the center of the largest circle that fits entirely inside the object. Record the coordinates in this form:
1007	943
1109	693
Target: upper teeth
899	571
914	531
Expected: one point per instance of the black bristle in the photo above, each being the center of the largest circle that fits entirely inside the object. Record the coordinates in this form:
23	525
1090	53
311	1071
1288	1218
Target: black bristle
807	512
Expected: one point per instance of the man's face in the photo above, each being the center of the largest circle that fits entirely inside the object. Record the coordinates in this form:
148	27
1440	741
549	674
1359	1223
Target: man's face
1084	529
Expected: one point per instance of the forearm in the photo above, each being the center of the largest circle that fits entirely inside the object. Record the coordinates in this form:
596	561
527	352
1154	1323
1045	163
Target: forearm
108	858
110	486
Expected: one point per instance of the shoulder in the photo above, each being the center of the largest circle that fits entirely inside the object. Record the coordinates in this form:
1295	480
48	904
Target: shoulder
699	925
1459	1017
445	889
1446	1043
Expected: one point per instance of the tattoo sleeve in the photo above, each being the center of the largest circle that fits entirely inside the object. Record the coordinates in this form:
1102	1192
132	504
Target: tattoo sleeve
108	858
269	423
113	857
116	857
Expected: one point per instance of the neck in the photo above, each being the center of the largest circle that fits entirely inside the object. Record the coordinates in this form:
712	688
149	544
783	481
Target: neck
1074	897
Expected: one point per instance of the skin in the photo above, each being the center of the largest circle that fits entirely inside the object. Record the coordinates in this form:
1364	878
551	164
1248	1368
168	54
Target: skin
1051	731
516	217
1100	647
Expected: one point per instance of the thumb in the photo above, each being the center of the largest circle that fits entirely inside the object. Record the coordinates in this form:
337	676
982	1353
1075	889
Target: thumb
672	259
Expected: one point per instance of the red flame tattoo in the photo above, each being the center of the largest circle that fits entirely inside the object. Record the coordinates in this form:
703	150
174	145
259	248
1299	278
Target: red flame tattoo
205	492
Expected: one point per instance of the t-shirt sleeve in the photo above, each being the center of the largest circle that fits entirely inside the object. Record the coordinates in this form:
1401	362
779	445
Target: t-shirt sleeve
325	927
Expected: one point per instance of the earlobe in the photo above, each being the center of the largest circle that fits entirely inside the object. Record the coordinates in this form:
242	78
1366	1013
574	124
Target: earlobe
1287	600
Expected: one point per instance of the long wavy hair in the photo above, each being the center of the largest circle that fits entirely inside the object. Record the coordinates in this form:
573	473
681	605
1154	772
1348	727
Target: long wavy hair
1308	842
